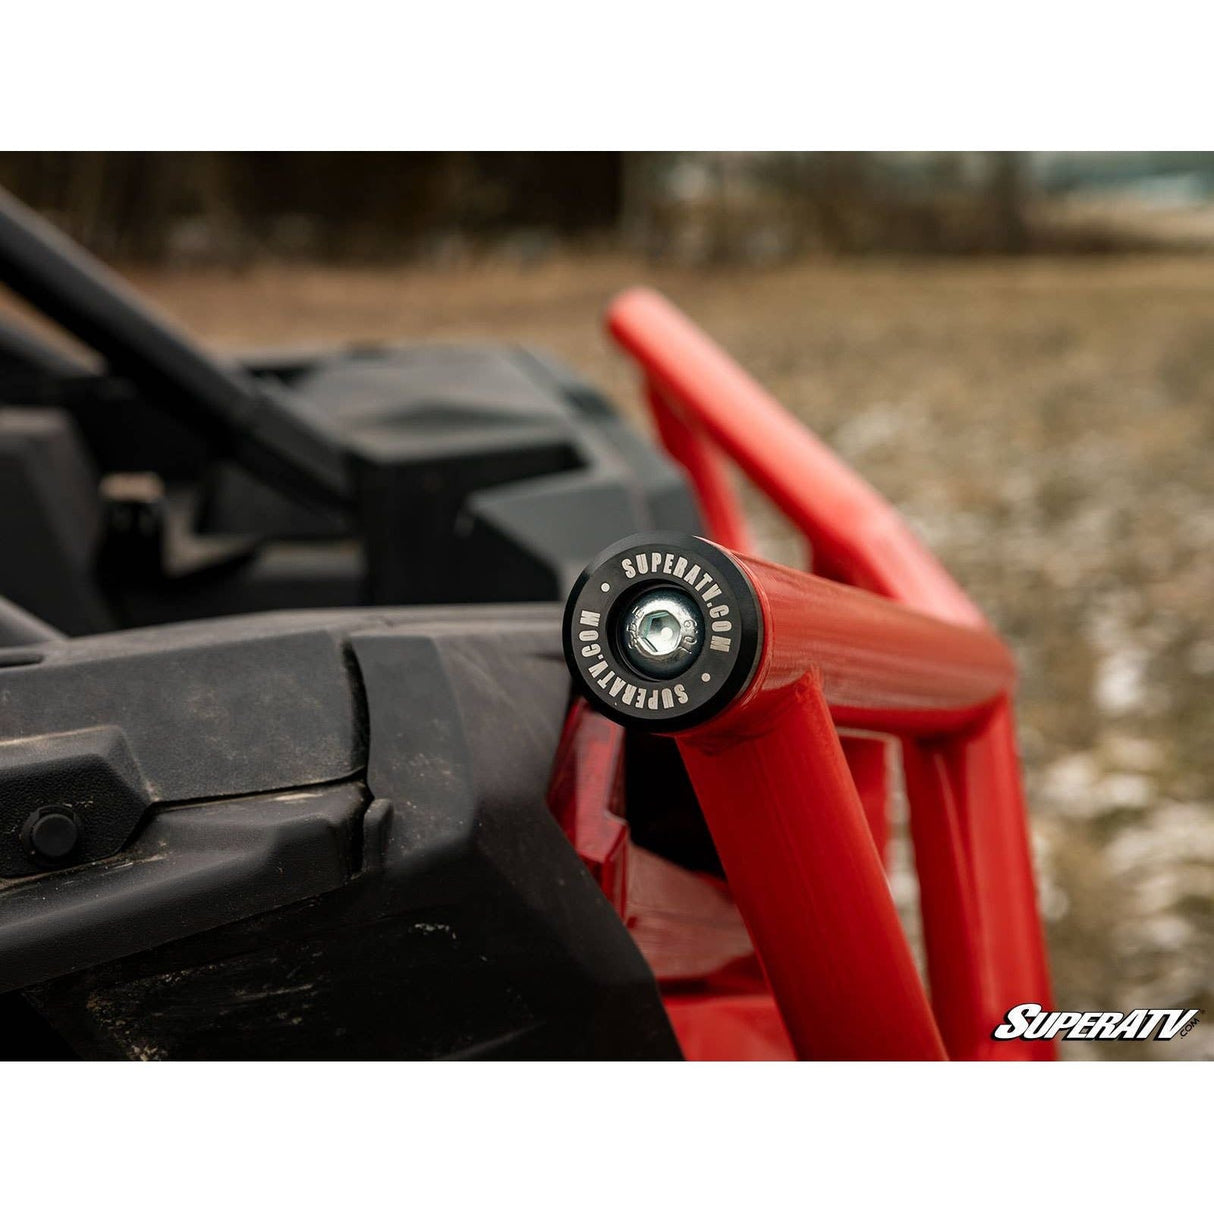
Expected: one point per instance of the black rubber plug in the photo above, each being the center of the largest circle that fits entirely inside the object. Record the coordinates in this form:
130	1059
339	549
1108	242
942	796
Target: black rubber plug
51	833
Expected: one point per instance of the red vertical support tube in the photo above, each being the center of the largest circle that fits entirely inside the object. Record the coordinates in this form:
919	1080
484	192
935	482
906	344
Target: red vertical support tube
805	873
958	974
975	880
868	760
708	472
985	776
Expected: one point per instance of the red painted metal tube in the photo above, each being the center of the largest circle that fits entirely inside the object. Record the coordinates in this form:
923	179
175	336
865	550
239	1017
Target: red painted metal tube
805	873
967	804
984	774
943	689
708	472
881	666
802	863
868	761
855	528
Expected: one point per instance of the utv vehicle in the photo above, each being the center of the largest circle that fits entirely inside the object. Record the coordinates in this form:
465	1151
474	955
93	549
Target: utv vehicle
404	702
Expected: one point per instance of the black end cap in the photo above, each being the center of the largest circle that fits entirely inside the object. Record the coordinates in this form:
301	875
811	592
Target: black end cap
732	630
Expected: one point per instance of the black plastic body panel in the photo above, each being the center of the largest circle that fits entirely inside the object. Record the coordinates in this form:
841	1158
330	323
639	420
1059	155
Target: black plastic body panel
50	522
347	853
319	832
476	473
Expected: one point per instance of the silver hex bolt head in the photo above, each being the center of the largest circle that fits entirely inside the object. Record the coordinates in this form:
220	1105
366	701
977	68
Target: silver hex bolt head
662	633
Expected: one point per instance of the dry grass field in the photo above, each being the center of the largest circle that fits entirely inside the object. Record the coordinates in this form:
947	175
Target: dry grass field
1047	426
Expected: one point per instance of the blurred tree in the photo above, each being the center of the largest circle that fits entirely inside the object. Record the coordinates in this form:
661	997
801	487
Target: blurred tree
687	206
1008	196
224	205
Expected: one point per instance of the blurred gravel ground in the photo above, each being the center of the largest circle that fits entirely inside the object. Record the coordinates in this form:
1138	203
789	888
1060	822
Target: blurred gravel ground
1047	426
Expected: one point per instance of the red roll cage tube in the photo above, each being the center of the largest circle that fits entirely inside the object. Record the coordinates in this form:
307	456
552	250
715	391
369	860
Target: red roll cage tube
881	641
